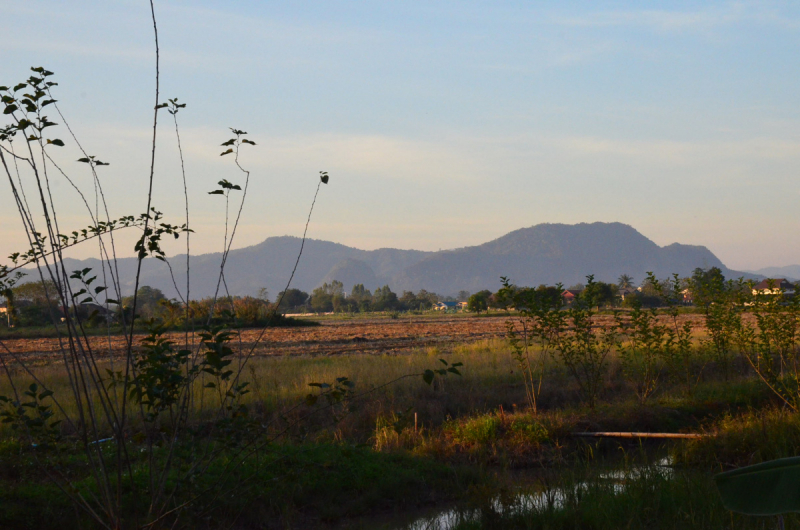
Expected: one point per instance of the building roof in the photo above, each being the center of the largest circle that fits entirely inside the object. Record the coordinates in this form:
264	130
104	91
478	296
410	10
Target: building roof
774	283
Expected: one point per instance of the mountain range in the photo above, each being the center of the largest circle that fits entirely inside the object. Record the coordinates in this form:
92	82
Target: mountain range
541	254
790	272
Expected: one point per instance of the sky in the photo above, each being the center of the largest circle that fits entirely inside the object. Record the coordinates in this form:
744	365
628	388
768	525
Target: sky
442	124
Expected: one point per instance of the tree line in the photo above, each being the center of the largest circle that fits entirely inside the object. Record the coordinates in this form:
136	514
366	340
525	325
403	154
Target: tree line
28	305
331	297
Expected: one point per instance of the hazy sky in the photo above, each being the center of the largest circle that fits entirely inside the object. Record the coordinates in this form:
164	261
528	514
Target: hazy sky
442	124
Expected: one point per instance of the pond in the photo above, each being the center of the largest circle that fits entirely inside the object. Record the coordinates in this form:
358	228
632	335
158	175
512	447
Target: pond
532	495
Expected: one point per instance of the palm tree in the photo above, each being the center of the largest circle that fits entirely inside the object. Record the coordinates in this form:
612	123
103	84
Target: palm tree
625	281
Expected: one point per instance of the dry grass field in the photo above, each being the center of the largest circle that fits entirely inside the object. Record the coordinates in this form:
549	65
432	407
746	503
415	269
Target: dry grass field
335	336
397	441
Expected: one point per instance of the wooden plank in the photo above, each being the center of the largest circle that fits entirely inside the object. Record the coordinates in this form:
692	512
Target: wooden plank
638	435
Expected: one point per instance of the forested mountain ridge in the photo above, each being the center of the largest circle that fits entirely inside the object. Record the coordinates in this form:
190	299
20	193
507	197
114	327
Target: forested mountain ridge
552	253
545	253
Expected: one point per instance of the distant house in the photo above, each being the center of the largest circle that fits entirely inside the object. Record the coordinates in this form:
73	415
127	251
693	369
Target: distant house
446	306
570	294
625	291
462	306
774	286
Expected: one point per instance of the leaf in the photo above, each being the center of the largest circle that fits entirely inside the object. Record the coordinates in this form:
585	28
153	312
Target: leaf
216	192
229	142
9	109
20	86
98	290
229	151
428	376
246	141
112	301
769	488
323	177
84	160
57	142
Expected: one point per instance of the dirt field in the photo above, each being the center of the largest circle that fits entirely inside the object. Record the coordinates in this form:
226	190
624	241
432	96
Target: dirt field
333	337
371	336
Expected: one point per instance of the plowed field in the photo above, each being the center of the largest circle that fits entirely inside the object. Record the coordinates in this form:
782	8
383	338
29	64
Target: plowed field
371	336
333	337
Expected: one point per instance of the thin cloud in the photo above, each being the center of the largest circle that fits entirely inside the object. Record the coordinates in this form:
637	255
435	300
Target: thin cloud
672	21
756	149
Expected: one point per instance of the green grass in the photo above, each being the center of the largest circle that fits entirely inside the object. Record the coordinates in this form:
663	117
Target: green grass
286	482
748	438
279	383
479	419
490	381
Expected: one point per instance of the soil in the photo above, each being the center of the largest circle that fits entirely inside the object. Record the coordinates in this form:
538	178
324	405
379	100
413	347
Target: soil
332	337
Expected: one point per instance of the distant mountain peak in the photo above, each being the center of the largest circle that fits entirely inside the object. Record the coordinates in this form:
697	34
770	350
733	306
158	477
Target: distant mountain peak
546	253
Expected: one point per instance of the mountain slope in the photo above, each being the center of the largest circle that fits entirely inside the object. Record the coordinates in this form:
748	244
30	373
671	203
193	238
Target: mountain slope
552	253
268	264
790	272
545	253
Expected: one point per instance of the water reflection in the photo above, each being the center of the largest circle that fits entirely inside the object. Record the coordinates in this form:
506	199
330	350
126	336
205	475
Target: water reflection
547	499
